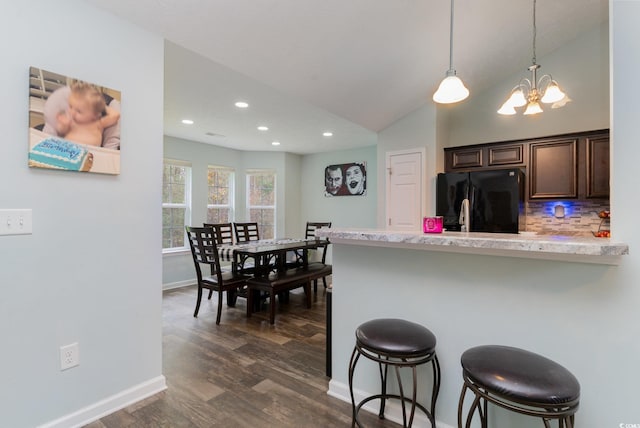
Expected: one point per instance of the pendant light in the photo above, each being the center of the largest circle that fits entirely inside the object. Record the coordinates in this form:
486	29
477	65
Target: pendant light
451	89
532	92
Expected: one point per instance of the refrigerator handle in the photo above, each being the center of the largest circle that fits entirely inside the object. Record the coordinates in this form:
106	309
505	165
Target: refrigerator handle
464	219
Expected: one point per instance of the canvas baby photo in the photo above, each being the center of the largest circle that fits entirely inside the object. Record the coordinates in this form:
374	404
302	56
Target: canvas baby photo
73	125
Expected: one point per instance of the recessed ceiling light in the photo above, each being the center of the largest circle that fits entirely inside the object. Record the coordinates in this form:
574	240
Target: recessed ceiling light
327	134
242	104
275	143
263	128
187	121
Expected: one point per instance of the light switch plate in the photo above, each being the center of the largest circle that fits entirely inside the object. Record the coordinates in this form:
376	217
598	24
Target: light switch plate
16	222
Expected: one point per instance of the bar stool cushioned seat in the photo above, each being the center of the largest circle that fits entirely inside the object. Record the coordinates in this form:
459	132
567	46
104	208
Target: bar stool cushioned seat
397	343
520	381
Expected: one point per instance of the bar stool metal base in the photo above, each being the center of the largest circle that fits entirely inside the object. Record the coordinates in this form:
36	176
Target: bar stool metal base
398	359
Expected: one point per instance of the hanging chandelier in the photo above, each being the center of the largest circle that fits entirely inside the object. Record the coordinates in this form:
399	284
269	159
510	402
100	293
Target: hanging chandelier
532	92
451	89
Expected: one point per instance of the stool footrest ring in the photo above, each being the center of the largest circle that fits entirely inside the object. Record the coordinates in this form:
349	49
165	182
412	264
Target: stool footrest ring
387	397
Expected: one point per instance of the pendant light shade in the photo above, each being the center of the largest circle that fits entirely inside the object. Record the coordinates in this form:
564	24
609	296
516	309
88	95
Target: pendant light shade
533	108
451	89
507	110
553	93
517	98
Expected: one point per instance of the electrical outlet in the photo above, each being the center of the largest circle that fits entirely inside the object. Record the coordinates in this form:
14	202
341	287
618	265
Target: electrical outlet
69	356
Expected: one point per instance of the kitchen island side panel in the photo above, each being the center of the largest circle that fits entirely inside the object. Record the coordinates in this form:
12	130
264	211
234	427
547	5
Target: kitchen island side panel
569	312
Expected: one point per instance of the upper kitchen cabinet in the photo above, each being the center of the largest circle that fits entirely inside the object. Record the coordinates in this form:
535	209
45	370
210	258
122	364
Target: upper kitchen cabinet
462	158
507	155
553	169
568	166
489	156
597	163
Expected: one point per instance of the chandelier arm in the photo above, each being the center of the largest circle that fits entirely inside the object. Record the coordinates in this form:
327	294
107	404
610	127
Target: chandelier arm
525	84
545	78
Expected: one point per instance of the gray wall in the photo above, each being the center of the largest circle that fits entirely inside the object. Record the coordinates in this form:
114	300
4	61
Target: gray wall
342	211
91	271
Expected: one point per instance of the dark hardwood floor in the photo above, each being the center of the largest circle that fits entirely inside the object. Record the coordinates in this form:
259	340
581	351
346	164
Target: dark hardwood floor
243	372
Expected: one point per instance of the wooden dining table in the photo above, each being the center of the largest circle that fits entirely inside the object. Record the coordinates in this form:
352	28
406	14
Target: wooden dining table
269	254
260	257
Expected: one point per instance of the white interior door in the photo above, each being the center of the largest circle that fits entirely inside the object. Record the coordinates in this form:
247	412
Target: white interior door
405	189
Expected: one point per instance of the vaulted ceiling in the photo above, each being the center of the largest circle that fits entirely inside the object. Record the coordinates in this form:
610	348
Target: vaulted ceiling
349	66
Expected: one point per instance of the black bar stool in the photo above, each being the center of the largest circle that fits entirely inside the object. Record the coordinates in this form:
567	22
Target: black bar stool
397	343
520	381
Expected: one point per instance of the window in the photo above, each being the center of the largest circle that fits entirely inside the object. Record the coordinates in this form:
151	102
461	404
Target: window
261	201
220	199
176	204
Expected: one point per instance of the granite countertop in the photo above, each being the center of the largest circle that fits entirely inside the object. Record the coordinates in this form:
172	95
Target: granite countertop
586	249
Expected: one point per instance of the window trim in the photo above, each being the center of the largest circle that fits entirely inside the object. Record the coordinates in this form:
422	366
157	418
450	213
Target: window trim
186	205
248	206
232	192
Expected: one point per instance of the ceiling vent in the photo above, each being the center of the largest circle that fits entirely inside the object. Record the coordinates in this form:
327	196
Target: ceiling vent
213	134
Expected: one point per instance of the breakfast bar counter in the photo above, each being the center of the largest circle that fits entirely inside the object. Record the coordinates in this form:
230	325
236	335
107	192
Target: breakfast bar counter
558	296
584	249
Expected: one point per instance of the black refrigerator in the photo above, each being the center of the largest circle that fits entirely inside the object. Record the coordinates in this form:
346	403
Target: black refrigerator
495	199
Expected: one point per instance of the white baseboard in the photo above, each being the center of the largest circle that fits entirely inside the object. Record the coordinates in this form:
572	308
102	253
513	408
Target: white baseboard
179	284
109	405
392	411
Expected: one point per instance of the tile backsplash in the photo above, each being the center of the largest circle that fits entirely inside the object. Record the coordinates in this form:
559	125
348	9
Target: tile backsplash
580	217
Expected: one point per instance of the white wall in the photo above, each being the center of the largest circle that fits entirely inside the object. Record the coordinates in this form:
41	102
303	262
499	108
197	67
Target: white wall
583	316
581	69
91	271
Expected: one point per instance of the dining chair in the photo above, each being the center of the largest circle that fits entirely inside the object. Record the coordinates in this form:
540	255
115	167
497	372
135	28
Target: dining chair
319	268
223	231
224	236
310	230
246	232
204	251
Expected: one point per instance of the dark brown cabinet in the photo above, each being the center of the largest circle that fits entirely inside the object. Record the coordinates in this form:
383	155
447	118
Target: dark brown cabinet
569	166
553	169
489	156
466	158
597	161
503	155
